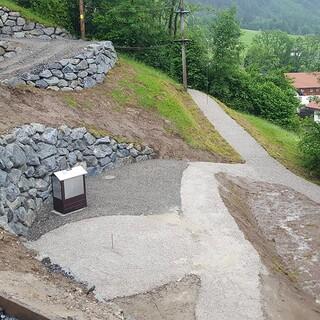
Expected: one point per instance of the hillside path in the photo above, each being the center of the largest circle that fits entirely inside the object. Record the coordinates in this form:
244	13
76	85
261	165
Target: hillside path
266	167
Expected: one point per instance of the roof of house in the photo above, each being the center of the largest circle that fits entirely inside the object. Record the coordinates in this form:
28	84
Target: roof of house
304	80
314	105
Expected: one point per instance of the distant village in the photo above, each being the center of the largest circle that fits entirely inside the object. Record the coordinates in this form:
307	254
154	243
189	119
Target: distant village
308	91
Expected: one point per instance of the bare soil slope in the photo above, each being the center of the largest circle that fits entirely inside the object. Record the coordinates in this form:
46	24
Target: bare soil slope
283	227
29	282
107	109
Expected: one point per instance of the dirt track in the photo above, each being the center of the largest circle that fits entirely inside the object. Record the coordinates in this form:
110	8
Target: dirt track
282	226
34	53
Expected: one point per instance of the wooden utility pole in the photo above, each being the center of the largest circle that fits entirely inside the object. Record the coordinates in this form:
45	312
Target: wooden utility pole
183	42
82	22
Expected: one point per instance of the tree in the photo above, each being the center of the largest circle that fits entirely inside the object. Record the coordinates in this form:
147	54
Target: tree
306	54
270	51
225	49
310	147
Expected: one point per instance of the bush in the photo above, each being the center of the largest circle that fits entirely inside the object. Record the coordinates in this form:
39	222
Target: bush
63	12
310	147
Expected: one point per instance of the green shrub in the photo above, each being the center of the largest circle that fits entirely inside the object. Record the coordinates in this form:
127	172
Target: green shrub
310	147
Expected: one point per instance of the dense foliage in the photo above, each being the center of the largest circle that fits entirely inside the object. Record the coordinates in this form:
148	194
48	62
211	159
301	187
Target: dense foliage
267	94
250	80
292	16
276	50
310	147
145	29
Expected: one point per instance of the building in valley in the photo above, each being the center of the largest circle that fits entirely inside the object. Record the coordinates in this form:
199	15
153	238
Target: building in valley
307	85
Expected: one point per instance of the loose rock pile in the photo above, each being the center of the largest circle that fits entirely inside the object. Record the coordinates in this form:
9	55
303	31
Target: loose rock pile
7	50
12	24
85	70
4	316
30	155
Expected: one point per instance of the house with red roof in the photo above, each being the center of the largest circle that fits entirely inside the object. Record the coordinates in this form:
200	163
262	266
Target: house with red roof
307	85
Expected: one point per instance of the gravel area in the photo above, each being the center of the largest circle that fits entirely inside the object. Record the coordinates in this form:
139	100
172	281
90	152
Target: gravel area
34	53
149	251
146	188
267	168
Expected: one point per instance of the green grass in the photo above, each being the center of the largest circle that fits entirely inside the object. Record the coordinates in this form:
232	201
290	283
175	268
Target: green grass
26	13
281	144
247	36
152	90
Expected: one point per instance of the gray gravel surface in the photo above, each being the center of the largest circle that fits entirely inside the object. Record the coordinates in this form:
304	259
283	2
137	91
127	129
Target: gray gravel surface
153	250
145	188
34	53
266	167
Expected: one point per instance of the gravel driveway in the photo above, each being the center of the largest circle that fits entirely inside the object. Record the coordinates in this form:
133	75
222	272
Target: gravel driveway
152	250
35	52
136	190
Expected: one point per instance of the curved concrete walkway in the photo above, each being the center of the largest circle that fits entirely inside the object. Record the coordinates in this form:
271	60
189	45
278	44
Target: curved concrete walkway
152	250
267	168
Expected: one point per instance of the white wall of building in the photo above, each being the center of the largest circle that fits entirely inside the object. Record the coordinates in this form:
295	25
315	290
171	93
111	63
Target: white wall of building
317	116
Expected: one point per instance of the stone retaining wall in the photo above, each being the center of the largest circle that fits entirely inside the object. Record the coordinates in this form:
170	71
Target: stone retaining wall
30	155
12	24
7	50
84	70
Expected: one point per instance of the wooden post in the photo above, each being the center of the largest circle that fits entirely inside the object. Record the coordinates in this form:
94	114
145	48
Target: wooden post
183	46
82	21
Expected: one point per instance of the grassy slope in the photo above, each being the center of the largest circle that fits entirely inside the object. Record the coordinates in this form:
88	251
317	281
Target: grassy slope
153	90
247	36
283	145
26	13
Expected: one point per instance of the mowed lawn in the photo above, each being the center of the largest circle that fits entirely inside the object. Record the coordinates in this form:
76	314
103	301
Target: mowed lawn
281	144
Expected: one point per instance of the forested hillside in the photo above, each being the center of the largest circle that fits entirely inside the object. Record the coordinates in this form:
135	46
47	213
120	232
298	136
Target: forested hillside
293	16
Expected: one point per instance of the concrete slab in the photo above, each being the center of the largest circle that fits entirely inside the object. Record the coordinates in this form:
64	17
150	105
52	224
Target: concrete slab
150	251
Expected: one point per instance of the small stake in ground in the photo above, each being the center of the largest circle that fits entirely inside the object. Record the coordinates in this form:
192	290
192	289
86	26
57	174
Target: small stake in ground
112	241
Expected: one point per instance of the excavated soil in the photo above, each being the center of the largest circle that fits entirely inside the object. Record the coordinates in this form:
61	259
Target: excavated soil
97	110
27	280
173	301
283	226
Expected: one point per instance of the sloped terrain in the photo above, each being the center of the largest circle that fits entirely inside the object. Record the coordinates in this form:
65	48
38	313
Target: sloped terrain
285	15
135	103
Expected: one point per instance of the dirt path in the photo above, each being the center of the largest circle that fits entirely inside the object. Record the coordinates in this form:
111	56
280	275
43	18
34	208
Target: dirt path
283	226
34	53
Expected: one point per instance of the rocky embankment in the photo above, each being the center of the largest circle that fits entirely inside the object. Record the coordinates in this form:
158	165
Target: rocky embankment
14	25
31	153
85	70
7	50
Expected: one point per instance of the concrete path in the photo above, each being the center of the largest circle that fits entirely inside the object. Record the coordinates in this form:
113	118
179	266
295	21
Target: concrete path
155	246
267	168
152	250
